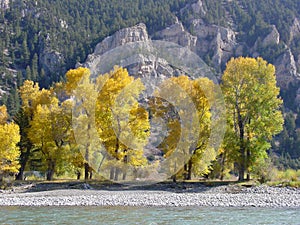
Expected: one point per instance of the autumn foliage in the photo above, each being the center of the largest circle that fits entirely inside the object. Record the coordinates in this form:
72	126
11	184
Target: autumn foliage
103	125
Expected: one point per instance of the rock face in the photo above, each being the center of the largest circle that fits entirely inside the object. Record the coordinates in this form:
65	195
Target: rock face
214	40
272	38
286	69
217	41
176	33
51	61
127	35
295	29
213	43
143	57
198	8
133	34
152	61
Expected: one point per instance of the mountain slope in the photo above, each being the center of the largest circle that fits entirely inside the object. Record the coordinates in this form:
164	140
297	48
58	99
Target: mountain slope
41	40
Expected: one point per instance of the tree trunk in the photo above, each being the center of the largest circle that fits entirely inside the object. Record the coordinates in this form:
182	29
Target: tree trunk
50	174
189	174
174	176
124	174
87	156
102	160
241	173
248	160
223	158
51	169
117	171
24	159
112	173
242	163
185	171
86	171
248	176
78	175
20	175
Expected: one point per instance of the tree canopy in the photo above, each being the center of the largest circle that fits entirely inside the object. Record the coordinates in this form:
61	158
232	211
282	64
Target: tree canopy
253	107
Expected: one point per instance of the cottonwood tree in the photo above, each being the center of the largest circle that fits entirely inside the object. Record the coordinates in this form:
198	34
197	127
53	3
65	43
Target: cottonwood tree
252	102
122	124
49	132
31	97
179	142
9	151
83	94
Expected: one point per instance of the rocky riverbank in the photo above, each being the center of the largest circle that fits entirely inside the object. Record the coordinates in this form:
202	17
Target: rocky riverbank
220	196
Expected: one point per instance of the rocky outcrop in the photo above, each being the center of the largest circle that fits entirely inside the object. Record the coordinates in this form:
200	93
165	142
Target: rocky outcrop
272	38
124	36
286	69
211	41
143	57
220	40
176	33
198	7
295	29
51	61
225	43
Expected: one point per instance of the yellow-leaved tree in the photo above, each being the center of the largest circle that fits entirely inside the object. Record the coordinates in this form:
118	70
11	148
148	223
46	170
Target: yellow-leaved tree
188	139
49	132
9	151
122	124
31	96
83	93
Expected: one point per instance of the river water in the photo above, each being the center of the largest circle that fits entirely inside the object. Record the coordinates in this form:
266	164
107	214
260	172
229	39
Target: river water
144	215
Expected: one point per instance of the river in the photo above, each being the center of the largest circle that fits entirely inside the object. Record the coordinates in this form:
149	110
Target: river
147	215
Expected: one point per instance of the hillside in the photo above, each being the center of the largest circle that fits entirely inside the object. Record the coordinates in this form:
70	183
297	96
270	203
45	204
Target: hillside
41	40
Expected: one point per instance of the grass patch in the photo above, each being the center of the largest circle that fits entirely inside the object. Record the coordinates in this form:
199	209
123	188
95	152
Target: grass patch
295	184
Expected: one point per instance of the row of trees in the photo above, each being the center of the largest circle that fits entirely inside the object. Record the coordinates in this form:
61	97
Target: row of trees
99	125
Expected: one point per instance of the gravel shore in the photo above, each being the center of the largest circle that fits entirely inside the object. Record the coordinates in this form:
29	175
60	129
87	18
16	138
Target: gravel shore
222	196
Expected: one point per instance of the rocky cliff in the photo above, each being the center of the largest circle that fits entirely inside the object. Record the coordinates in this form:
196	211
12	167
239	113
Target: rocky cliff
218	41
215	44
166	55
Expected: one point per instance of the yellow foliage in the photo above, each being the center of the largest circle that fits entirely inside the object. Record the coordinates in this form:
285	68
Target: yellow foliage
252	102
32	96
74	76
9	151
177	145
122	124
3	114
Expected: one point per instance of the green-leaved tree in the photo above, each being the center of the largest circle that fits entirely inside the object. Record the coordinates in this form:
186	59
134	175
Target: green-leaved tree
254	117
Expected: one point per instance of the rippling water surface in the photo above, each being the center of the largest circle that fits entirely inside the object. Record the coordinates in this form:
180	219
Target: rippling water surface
151	216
